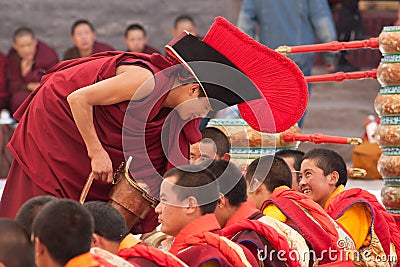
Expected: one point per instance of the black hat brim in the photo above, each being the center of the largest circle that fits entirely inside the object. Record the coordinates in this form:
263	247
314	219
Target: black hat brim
223	83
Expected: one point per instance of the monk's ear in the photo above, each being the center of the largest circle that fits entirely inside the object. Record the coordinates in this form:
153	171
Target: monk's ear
39	247
193	205
95	240
226	156
333	178
194	89
221	201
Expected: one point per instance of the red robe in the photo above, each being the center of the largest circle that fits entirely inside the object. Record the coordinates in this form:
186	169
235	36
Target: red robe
247	210
3	88
322	235
198	243
239	230
150	50
384	224
269	237
144	255
249	238
98	47
50	155
45	58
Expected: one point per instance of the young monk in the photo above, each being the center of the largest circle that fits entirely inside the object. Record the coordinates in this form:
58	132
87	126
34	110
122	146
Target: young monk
83	35
214	144
245	224
323	178
270	177
189	196
111	234
110	230
31	208
62	233
27	61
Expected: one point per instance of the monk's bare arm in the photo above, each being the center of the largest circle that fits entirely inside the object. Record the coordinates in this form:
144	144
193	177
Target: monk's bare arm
126	85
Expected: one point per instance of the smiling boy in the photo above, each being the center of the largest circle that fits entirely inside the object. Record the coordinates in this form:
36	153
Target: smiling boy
323	178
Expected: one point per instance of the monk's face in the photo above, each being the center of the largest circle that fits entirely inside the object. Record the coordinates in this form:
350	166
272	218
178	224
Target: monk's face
135	40
25	46
188	103
184	25
203	151
314	183
171	211
83	37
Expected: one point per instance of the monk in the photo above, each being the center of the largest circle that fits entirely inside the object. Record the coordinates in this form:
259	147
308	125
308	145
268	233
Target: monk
110	230
62	234
184	23
27	61
243	223
50	160
323	178
189	196
31	208
214	144
83	35
136	40
270	177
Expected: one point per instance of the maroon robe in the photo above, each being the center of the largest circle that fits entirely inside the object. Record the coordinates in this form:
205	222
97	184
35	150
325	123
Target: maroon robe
45	58
3	88
150	50
193	247
50	155
248	237
98	47
144	255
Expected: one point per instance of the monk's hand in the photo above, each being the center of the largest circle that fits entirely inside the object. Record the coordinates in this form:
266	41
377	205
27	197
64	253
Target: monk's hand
26	65
32	86
102	166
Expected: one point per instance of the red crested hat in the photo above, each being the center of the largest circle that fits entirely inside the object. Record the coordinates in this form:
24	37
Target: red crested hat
232	68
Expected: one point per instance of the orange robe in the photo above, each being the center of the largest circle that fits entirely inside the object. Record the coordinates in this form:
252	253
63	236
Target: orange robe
98	257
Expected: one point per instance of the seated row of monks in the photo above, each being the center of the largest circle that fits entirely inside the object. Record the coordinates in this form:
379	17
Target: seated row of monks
212	215
29	58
